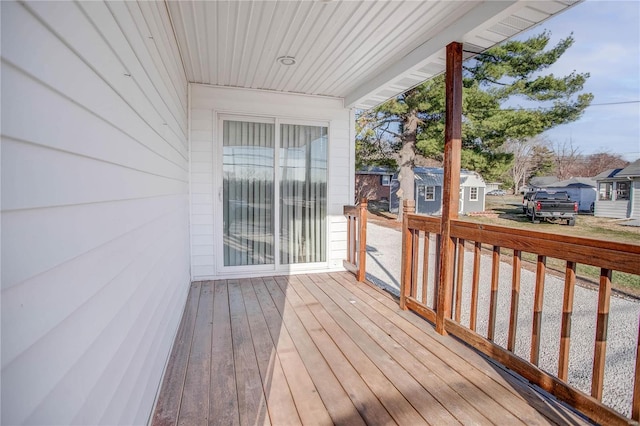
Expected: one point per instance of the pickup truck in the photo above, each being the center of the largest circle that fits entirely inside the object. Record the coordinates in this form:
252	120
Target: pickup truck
552	206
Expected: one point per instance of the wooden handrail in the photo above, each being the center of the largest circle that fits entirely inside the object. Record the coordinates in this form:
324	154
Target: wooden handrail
356	239
606	255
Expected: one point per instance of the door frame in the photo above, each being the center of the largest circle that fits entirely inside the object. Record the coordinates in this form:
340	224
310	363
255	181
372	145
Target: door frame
217	179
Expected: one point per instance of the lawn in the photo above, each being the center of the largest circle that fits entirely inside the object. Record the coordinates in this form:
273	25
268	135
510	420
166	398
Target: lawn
509	213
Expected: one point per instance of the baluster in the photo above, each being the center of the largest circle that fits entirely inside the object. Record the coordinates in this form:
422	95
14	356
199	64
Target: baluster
436	275
515	299
635	404
362	241
493	302
415	243
473	315
349	258
425	267
459	278
602	323
567	310
537	309
409	206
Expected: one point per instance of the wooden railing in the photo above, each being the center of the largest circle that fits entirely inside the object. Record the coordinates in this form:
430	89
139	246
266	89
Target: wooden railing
356	239
422	287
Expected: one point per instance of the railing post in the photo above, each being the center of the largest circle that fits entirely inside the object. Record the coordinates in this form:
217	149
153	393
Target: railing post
408	206
451	180
362	241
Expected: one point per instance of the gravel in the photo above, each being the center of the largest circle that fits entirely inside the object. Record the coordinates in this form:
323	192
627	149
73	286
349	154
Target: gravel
383	268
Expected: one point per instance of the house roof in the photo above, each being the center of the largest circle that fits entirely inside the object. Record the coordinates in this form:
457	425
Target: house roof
375	170
542	181
360	51
576	182
632	170
433	176
609	173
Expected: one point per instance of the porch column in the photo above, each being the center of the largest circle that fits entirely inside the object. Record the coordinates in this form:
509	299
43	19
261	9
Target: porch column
451	180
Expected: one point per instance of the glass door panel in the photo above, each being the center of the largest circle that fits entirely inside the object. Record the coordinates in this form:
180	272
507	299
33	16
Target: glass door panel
303	193
248	193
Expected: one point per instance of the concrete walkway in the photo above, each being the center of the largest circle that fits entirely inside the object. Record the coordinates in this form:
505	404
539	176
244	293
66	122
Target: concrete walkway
383	269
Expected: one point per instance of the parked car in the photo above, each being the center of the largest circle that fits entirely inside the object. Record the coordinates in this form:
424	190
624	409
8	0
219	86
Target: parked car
497	192
552	206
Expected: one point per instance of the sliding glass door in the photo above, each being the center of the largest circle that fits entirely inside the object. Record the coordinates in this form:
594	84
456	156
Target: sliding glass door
257	230
248	193
303	193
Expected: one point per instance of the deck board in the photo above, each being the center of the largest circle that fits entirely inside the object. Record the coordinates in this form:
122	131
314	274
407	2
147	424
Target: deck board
196	402
223	401
168	407
325	349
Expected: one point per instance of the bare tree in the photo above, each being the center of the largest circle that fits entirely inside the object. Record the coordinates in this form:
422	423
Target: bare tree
599	162
567	159
522	150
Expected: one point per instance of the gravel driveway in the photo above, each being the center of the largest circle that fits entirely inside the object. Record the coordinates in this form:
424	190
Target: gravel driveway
383	269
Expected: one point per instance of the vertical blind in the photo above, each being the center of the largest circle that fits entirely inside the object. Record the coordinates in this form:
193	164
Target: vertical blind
248	201
303	193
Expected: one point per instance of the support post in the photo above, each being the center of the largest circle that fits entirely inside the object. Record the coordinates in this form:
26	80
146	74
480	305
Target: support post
362	241
451	180
408	206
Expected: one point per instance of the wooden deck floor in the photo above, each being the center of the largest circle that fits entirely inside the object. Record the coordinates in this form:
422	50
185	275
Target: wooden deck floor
324	349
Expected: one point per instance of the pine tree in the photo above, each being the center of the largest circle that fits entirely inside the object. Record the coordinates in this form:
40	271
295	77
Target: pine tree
509	72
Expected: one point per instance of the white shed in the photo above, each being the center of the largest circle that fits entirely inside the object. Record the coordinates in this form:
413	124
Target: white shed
582	190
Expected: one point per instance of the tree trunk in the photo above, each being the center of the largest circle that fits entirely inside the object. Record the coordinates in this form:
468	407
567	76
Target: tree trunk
407	160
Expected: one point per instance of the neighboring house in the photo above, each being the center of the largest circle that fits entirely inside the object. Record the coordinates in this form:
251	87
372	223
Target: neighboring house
619	192
146	145
539	182
428	191
582	190
493	185
374	183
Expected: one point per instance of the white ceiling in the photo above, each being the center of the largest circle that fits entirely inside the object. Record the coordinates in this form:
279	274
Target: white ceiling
363	51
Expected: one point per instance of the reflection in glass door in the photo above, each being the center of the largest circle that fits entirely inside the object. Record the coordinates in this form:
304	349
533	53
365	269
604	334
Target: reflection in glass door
303	193
248	193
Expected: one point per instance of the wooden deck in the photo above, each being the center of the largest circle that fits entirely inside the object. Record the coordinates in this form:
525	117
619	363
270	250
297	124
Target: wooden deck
324	349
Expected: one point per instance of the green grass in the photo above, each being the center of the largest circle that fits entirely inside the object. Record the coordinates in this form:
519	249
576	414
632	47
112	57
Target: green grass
620	280
510	214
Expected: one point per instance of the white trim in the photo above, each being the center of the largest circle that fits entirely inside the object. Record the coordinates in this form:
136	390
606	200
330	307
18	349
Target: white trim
190	179
486	13
218	236
272	92
471	188
425	193
352	155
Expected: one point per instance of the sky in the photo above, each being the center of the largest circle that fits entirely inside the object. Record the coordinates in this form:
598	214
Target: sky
606	45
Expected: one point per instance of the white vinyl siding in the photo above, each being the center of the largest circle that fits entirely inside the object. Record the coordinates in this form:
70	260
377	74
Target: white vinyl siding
95	237
208	102
634	202
607	204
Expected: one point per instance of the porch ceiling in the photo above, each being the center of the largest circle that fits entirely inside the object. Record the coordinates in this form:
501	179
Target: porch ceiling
363	51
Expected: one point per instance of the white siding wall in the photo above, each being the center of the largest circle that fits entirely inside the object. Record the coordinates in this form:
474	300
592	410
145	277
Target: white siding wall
618	209
611	208
207	102
634	203
95	237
